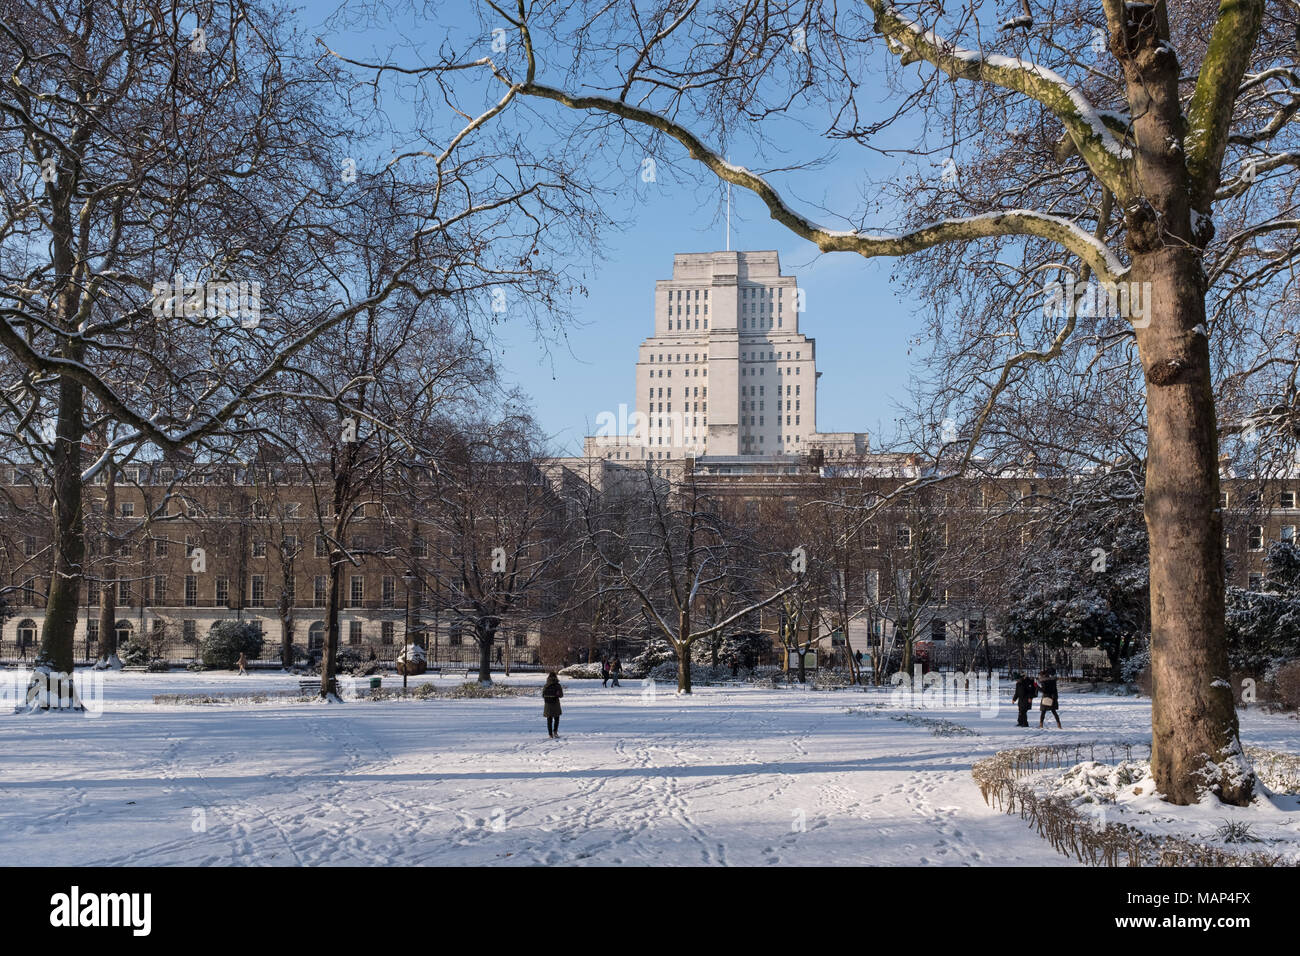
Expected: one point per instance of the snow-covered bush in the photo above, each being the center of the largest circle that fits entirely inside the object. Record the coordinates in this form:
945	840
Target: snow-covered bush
657	651
582	671
226	640
1286	684
133	654
832	677
412	652
1132	668
700	673
157	666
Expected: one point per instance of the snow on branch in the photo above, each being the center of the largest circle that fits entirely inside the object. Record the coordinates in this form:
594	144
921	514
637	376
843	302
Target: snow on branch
1014	222
1105	155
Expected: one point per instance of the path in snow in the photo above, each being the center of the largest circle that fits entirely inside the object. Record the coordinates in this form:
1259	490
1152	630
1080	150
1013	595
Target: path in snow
730	776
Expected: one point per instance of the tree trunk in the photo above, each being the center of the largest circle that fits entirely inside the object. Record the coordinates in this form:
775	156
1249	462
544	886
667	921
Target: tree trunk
684	651
286	618
330	653
108	579
286	639
108	610
56	651
1195	745
485	630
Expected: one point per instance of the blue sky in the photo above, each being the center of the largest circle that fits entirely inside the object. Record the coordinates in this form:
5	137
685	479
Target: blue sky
862	325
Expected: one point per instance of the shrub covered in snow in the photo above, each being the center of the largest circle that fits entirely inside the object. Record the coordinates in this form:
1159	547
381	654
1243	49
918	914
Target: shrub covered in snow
582	671
412	652
1132	668
1286	683
133	654
656	652
227	640
700	673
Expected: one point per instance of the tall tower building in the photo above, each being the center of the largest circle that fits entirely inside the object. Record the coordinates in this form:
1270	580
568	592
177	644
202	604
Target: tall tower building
727	373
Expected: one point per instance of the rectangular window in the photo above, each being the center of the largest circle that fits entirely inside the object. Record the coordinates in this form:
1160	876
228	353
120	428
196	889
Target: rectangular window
389	590
259	590
223	592
386	632
259	548
322	546
1288	499
189	631
357	591
127	509
904	536
159	589
319	590
354	632
1256	538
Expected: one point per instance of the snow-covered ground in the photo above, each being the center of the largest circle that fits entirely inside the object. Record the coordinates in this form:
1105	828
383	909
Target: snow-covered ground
730	775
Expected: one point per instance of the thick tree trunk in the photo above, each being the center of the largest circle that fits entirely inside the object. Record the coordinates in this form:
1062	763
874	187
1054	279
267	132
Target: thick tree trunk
1196	745
485	631
56	651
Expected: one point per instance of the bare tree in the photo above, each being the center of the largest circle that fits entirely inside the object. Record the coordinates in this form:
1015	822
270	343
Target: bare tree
1120	159
669	545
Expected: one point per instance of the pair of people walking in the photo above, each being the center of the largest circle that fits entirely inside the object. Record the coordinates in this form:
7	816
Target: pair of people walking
1044	689
611	670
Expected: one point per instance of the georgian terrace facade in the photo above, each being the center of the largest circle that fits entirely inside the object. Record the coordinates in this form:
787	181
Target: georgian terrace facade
262	554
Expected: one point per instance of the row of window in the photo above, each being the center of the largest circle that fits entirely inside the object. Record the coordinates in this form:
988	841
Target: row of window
257	593
27	631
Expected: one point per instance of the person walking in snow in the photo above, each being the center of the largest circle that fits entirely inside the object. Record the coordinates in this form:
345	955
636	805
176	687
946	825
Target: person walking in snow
243	663
551	694
604	672
1049	701
1024	698
616	670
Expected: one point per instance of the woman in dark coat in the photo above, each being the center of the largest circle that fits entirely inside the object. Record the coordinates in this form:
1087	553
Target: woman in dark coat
1023	699
551	694
1049	701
